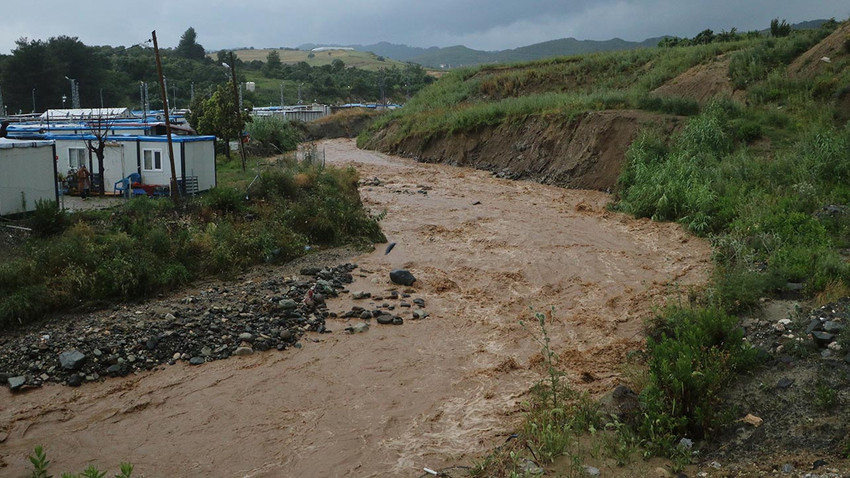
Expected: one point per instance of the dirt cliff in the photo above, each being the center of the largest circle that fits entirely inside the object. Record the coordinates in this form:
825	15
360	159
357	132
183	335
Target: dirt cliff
584	152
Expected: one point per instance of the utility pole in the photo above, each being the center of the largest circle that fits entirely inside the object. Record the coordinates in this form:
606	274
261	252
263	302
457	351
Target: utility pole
281	97
237	106
174	192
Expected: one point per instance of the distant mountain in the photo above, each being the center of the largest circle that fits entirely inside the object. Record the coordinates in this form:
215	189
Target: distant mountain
461	56
385	49
455	56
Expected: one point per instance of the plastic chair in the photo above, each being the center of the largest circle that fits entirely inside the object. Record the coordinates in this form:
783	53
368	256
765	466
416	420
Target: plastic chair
135	178
121	186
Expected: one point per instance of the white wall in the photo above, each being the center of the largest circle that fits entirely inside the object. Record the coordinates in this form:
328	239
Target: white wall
200	162
26	176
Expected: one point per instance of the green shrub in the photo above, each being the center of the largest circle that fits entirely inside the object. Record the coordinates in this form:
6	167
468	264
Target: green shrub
48	219
272	135
225	199
693	355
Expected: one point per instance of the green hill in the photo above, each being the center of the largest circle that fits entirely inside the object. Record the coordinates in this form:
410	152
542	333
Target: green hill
351	58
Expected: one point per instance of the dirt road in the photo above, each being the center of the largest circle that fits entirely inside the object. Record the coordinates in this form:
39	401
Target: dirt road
395	399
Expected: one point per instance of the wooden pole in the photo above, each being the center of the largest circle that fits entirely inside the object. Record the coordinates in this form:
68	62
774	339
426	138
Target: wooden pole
238	111
175	194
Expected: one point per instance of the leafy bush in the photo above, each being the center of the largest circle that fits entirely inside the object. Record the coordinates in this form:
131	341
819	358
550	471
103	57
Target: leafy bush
272	135
694	353
225	199
48	219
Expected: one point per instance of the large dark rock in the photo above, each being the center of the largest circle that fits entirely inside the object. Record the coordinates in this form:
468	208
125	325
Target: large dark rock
822	338
402	277
72	359
15	383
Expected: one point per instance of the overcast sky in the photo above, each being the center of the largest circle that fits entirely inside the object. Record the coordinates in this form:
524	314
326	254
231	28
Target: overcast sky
478	24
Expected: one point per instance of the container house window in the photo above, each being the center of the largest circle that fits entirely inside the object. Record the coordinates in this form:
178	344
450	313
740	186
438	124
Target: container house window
76	157
152	160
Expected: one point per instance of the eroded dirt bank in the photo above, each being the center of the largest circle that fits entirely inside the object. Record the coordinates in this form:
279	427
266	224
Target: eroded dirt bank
395	399
585	152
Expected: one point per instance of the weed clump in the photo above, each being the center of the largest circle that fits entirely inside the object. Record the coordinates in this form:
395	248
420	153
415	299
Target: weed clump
693	355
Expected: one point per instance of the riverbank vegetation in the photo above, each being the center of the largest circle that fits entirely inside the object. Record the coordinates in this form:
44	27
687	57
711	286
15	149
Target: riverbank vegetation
148	246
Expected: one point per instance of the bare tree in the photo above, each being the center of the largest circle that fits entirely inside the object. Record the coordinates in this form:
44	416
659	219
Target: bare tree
99	128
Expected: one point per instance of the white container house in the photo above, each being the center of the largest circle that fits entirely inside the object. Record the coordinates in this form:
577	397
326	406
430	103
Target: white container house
27	174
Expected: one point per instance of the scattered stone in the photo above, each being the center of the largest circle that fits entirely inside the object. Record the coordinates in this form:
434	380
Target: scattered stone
357	328
404	304
753	420
196	361
206	326
419	302
361	295
71	360
288	304
419	314
686	443
530	468
402	277
787	468
785	382
243	351
75	380
398	320
819	463
389	248
151	343
116	370
661	473
15	383
385	319
246	337
822	338
591	470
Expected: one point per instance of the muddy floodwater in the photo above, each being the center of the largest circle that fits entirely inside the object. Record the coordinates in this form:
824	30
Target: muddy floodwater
393	400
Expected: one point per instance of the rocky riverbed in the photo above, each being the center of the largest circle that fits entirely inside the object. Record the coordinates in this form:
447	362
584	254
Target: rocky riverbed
209	324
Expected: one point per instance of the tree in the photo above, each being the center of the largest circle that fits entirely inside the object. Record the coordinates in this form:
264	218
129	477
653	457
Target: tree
99	128
188	47
216	116
704	37
779	29
273	65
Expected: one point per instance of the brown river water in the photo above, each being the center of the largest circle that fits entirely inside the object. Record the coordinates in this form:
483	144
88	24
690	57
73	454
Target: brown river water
389	402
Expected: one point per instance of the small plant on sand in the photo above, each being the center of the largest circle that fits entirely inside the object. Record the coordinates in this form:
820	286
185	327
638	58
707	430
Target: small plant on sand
40	463
554	385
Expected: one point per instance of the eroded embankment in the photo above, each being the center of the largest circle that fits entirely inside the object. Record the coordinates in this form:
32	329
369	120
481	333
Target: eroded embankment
583	152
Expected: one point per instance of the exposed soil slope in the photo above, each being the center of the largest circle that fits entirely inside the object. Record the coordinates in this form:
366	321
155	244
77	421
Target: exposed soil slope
701	83
388	402
586	152
810	63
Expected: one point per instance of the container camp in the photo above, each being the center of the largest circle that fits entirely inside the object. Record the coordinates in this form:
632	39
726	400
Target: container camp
194	159
27	174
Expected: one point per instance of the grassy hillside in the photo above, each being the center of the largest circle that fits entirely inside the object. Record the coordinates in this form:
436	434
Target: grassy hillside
751	170
352	58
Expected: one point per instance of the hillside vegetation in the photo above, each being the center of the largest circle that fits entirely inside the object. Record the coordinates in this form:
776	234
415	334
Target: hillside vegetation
352	58
744	141
750	163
